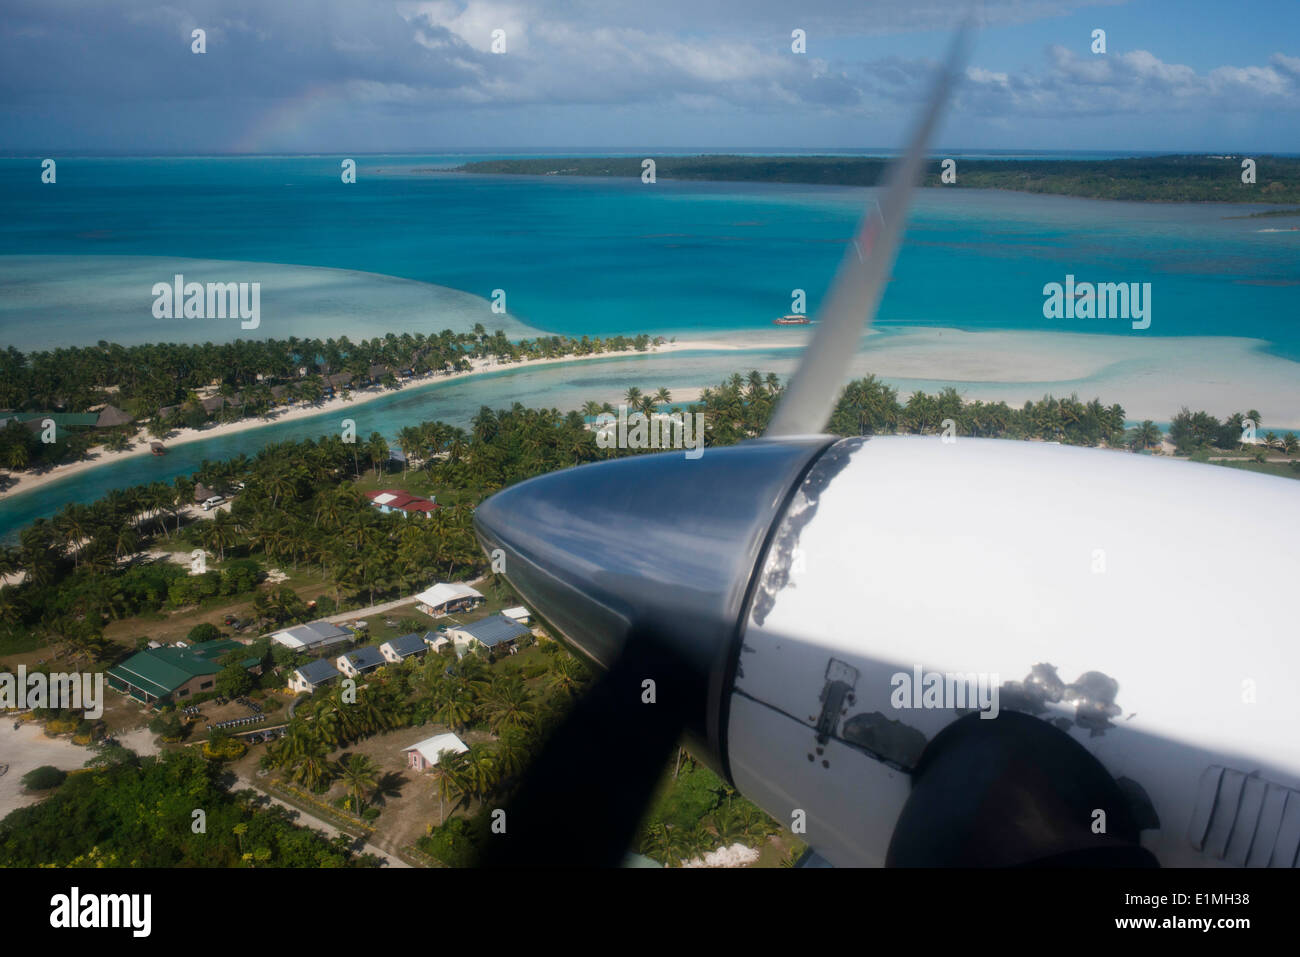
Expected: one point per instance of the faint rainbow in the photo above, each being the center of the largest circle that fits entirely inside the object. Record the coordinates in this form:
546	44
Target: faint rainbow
279	125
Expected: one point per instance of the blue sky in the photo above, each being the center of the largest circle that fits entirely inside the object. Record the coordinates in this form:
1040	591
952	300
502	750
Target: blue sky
370	76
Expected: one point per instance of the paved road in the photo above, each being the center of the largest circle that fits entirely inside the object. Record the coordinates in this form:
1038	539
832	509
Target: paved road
329	829
372	610
384	607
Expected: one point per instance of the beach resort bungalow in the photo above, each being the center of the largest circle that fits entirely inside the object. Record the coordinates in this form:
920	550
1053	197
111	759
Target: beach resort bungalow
407	646
377	373
447	597
202	493
111	417
337	382
395	500
214	404
311	636
175	672
519	613
496	633
312	675
359	661
425	754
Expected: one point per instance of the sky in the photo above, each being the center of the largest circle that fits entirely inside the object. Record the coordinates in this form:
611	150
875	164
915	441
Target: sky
368	76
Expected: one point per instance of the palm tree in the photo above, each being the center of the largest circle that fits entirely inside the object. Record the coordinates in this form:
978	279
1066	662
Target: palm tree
656	843
17	456
74	524
449	780
567	675
220	533
511	754
360	775
1145	435
377	450
633	397
729	825
454	704
507	706
125	542
480	771
312	767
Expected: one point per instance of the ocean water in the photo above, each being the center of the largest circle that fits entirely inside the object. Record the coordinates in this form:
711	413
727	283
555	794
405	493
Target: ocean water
579	256
413	247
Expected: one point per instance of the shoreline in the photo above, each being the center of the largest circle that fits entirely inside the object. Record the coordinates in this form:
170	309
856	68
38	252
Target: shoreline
1151	378
21	483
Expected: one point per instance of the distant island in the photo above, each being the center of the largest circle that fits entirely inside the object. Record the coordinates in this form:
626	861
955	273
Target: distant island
1166	179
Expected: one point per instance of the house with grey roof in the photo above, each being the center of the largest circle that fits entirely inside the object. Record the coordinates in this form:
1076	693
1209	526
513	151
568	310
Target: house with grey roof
496	632
312	675
360	660
399	649
311	636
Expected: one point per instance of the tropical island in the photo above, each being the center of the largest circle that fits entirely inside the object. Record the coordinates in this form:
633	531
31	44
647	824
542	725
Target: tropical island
57	406
1168	179
324	534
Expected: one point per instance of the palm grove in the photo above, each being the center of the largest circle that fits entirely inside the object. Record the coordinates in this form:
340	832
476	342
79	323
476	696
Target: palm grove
162	383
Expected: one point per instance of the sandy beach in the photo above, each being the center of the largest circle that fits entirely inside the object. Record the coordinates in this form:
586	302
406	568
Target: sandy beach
1151	377
26	749
27	481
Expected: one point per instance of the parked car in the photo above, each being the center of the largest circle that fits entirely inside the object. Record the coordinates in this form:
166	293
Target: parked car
213	502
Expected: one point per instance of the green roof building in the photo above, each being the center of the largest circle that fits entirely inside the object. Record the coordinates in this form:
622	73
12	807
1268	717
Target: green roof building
172	672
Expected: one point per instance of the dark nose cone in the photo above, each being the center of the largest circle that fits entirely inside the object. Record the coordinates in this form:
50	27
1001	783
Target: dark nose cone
649	545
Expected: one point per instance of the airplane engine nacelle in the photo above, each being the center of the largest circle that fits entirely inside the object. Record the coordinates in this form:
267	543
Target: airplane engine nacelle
837	608
1123	600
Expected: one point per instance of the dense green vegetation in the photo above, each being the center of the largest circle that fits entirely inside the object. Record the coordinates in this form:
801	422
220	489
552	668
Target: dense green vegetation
1196	431
173	385
696	812
1182	179
301	507
43	778
139	812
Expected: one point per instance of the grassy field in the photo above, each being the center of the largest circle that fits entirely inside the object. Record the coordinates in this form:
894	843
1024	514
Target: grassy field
1280	469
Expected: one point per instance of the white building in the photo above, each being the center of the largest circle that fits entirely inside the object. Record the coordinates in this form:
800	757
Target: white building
311	636
399	649
360	660
446	597
426	754
311	676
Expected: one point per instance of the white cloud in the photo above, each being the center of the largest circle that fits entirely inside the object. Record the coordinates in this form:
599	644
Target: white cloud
1134	82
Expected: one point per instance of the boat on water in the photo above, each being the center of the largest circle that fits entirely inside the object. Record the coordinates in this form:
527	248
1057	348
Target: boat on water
792	320
157	448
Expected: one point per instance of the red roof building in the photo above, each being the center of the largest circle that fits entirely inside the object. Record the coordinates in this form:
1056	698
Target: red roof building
395	500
